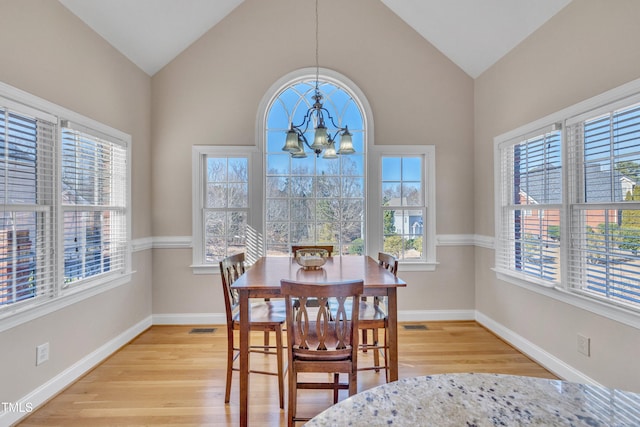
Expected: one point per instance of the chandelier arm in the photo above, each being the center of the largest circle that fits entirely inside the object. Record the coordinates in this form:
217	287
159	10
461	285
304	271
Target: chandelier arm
306	120
335	125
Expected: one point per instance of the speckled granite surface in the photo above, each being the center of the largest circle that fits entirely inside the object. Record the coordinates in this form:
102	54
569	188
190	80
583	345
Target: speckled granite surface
484	400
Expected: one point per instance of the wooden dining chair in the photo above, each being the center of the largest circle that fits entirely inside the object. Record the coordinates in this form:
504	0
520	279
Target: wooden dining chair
373	317
320	339
266	316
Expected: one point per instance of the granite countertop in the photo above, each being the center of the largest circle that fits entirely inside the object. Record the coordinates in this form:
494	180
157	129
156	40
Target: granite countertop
484	400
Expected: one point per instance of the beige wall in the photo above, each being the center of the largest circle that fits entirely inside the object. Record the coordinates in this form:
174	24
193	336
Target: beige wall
589	47
48	52
210	95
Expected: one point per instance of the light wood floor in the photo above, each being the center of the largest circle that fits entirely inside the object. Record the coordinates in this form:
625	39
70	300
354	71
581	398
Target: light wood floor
168	376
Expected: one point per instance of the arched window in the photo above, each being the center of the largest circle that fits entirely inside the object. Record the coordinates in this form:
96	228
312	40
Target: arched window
314	200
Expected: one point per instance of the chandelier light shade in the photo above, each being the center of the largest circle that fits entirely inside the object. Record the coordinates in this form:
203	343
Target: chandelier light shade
317	118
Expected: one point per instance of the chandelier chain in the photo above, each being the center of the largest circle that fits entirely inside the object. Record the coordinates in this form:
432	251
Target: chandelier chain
317	48
323	140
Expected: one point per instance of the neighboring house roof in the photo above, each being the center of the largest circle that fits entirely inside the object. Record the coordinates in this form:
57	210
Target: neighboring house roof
543	185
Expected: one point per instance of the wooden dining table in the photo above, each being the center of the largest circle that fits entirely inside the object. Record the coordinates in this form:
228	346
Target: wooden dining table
262	280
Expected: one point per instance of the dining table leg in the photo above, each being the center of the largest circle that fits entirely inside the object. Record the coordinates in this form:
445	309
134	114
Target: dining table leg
392	307
244	357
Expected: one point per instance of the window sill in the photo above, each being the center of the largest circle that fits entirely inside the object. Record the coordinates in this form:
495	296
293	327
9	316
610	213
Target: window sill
619	314
27	313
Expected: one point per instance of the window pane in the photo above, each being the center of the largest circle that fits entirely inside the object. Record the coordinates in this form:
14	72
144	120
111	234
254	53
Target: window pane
535	236
612	155
391	169
278	164
238	170
277	234
353	210
352	233
327	232
301	186
606	252
537	170
239	195
18	247
18	159
353	165
225	233
303	232
236	231
412	193
303	209
391	193
352	187
328	210
412	169
278	210
306	166
328	186
216	169
215	223
277	187
216	195
88	248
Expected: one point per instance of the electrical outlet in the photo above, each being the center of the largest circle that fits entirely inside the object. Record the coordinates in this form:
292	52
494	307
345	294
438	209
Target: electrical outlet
584	345
42	353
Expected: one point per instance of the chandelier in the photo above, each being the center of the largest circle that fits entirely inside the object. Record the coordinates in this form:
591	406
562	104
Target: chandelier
324	142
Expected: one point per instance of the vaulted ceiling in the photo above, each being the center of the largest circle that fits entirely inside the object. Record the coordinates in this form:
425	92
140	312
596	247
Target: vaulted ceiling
474	34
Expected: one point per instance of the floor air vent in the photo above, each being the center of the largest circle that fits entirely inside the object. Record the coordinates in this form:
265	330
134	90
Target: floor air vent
202	330
415	327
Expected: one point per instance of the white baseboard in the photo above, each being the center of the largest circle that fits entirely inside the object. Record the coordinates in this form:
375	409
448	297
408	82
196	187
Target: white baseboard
56	384
549	361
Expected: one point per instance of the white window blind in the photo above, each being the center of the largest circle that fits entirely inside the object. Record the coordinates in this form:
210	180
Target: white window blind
26	190
604	151
94	204
530	206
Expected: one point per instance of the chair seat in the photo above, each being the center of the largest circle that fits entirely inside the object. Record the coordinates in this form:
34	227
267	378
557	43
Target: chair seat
264	312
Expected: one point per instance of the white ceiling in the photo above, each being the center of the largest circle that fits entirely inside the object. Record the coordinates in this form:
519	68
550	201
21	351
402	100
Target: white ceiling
474	34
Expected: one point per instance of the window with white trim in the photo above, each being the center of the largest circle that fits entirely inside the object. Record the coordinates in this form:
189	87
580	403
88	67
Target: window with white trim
222	194
402	201
64	225
568	202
